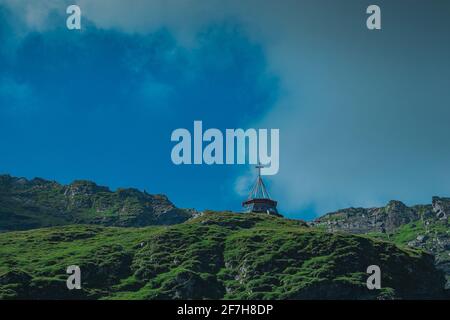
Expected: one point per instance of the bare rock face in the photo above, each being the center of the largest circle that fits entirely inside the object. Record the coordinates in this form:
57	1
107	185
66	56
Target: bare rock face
27	204
384	220
441	206
398	214
83	187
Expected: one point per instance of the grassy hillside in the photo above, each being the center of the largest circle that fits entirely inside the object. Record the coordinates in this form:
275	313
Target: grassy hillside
430	236
425	227
28	204
217	255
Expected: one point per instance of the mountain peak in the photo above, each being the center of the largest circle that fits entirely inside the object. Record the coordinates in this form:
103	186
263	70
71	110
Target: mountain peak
395	206
84	187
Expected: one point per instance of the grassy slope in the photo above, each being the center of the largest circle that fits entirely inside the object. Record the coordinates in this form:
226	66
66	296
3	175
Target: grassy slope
38	203
433	232
219	255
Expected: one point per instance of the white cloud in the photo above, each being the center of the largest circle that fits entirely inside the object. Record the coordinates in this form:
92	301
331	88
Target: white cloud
244	183
33	15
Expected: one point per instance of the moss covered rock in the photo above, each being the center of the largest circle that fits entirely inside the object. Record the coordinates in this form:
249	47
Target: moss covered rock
215	256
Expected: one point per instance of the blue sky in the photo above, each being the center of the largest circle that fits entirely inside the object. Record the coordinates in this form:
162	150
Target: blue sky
101	105
363	116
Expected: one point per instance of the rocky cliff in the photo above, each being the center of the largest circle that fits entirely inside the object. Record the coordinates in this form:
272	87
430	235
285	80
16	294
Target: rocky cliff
27	204
425	227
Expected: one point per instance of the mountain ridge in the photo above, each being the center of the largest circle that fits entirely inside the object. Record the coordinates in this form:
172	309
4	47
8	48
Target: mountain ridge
425	227
28	204
39	203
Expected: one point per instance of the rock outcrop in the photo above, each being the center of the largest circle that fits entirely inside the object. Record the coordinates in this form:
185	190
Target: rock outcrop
27	204
425	227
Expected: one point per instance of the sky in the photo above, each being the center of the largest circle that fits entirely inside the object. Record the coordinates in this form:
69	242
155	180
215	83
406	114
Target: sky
363	115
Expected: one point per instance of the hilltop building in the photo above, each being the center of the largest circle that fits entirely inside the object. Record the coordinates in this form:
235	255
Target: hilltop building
259	200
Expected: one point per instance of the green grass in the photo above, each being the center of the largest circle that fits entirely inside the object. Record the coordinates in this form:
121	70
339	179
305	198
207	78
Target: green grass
37	203
215	256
